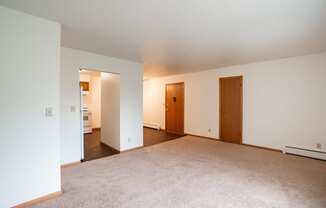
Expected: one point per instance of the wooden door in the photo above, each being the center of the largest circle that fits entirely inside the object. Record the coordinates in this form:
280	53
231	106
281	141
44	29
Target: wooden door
231	109
174	108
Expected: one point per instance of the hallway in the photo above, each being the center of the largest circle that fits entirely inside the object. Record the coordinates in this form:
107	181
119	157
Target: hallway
153	136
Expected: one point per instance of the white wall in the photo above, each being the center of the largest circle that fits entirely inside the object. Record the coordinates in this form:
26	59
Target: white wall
131	89
110	93
284	101
83	77
30	142
95	106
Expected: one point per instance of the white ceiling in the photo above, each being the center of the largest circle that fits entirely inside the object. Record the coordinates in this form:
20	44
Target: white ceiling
178	36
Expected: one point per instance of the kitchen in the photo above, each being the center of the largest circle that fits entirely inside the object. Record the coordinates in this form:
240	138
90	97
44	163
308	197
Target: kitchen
98	139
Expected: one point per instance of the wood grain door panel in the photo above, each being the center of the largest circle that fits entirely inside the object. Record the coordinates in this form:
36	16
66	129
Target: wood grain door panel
174	108
231	109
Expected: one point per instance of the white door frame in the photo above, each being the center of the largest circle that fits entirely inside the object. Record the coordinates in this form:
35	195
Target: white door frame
81	125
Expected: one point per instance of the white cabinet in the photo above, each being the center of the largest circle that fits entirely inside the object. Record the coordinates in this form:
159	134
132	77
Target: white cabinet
87	122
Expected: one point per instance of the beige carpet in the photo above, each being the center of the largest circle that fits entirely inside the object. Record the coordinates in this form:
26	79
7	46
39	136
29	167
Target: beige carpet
195	172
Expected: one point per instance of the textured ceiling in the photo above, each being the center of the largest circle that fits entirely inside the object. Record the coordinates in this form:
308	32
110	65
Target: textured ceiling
179	36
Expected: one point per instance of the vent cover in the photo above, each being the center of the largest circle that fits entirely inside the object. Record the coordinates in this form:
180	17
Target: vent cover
305	152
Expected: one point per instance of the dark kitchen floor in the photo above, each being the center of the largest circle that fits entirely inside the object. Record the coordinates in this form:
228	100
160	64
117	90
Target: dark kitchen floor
94	149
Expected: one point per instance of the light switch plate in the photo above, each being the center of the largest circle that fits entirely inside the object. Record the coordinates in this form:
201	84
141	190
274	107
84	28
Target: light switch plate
48	112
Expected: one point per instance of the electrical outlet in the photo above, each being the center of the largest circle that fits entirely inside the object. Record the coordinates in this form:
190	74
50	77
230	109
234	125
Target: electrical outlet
72	108
129	139
318	146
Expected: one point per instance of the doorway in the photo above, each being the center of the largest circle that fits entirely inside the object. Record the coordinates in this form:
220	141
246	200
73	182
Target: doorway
100	113
174	108
231	109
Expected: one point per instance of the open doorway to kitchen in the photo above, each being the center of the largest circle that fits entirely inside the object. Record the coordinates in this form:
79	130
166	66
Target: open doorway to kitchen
100	113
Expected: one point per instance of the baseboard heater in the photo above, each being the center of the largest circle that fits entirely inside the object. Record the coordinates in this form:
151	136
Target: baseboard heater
305	152
153	126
